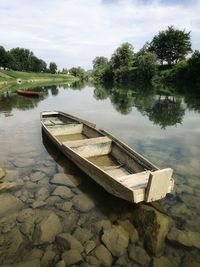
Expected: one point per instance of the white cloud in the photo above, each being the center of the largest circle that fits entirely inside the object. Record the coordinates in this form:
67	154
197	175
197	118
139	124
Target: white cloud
73	32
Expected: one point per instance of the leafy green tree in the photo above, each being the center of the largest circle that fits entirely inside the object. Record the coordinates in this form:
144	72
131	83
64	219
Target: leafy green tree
171	45
4	58
194	64
146	65
52	67
102	69
123	56
78	72
122	63
21	59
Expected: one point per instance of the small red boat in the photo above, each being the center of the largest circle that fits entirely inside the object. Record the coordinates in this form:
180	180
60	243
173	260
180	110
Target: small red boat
29	93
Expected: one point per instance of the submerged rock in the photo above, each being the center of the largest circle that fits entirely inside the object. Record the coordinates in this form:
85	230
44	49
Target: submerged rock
65	179
139	255
42	194
2	173
62	192
66	241
189	261
23	162
11	175
89	246
130	229
27	228
103	224
116	240
60	264
37	176
47	229
64	206
47	259
153	226
8	204
185	238
31	263
83	203
102	256
82	234
72	257
163	262
70	222
34	254
38	204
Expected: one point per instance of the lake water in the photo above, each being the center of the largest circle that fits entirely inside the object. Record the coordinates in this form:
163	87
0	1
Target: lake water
100	230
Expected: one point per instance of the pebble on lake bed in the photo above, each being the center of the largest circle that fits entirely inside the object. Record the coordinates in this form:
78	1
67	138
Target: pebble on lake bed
2	173
153	230
116	240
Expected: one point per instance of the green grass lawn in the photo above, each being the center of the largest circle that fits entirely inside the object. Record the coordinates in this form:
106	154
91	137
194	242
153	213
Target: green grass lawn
32	75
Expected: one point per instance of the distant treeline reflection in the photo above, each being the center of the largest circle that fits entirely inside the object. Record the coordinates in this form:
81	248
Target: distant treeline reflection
164	108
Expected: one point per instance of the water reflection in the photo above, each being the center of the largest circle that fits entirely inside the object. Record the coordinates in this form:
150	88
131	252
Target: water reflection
52	193
163	110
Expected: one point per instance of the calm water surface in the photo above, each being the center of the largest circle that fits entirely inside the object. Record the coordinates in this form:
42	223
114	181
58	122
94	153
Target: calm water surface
165	129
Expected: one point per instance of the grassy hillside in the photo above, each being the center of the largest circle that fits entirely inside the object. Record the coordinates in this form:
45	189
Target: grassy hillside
9	74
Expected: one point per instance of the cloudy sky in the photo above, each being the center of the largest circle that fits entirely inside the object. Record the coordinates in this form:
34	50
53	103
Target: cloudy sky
73	32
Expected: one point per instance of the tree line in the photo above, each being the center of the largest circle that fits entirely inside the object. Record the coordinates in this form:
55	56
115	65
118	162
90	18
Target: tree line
22	59
164	59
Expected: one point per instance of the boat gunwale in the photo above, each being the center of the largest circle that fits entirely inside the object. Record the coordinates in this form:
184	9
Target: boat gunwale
119	144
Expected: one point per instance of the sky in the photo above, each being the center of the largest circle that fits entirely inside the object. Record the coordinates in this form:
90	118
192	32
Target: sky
73	32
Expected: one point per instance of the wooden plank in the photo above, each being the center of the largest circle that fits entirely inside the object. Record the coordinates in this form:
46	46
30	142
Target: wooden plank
99	176
115	173
135	180
106	168
90	124
57	122
47	122
90	141
159	182
138	195
48	113
132	153
66	129
93	150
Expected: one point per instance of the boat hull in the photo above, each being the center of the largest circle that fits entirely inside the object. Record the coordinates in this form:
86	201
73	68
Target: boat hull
111	185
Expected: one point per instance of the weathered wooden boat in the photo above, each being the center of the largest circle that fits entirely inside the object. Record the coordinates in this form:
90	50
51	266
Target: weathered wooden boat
29	92
112	164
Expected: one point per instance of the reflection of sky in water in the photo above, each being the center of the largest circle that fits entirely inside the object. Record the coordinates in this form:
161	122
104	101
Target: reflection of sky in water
171	146
175	146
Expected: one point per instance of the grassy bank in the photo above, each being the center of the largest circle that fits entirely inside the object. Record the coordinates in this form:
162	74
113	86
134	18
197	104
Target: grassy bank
16	77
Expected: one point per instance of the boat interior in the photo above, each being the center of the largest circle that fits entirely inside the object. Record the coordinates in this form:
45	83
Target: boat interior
99	149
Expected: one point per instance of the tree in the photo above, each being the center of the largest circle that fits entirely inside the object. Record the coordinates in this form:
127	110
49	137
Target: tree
78	72
52	67
4	59
102	69
123	56
122	63
146	65
171	45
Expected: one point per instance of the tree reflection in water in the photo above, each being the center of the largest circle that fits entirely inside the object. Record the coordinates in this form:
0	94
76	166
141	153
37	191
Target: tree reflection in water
163	110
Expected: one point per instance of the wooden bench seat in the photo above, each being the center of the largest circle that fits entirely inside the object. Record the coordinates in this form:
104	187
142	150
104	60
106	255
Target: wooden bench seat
90	141
90	147
62	129
135	180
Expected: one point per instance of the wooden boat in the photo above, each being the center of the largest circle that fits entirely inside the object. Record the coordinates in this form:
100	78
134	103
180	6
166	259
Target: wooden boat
120	170
29	93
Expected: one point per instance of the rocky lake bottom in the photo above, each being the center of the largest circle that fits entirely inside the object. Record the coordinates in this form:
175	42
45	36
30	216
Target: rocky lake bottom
54	215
